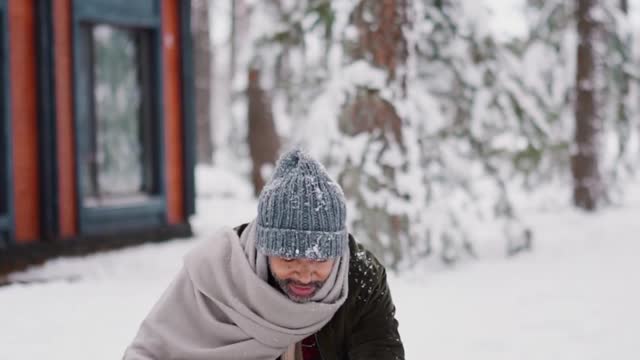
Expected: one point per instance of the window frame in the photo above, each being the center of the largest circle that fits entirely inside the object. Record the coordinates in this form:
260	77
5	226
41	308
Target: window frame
142	15
6	194
188	106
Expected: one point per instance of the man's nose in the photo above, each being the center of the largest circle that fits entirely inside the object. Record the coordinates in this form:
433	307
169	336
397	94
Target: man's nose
304	275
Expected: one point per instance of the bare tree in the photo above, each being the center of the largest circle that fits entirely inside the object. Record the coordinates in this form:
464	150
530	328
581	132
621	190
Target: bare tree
587	181
264	142
203	59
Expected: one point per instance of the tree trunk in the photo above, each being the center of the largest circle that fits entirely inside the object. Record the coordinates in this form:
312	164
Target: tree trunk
381	38
240	22
587	183
264	143
623	120
203	75
233	41
382	44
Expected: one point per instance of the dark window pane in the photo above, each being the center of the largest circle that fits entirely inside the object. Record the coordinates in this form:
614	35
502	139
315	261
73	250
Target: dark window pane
119	168
4	134
4	188
3	169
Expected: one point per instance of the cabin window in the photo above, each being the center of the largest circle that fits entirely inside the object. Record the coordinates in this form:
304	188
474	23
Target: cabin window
118	114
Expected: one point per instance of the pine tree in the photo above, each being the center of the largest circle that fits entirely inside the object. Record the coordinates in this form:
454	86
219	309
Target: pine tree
410	151
380	45
432	125
554	39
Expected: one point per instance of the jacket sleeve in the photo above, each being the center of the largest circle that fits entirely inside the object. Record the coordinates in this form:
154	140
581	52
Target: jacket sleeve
374	328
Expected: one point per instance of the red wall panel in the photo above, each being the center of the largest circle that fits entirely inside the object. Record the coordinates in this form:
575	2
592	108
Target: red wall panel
24	118
63	58
172	110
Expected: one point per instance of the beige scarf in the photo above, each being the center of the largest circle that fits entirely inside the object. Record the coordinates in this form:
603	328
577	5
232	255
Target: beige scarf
221	306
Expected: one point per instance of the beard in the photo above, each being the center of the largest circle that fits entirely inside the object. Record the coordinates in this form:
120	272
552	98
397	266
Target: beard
285	284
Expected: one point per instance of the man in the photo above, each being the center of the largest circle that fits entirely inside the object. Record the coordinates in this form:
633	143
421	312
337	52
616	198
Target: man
291	285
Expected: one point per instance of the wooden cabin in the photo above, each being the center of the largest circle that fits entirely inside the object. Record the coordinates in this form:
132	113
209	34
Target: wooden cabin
96	125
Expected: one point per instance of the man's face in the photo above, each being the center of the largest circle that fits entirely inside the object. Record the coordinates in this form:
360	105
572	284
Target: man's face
300	279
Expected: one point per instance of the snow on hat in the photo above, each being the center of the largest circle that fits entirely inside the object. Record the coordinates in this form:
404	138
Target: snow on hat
301	211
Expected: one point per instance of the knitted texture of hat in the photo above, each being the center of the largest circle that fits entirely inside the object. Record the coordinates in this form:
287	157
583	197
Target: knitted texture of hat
301	211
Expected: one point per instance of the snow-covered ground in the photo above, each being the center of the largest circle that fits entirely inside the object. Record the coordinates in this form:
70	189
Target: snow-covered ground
575	296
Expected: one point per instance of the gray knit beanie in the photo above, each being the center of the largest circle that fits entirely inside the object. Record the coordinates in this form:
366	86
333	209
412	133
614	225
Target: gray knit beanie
301	211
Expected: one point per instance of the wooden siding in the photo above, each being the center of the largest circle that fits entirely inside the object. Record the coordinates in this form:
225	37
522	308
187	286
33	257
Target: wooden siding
63	58
173	111
24	118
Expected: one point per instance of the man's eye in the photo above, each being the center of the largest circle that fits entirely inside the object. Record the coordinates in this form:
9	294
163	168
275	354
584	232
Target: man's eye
288	259
321	261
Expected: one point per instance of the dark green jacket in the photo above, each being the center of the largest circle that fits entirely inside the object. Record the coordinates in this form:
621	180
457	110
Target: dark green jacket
365	327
